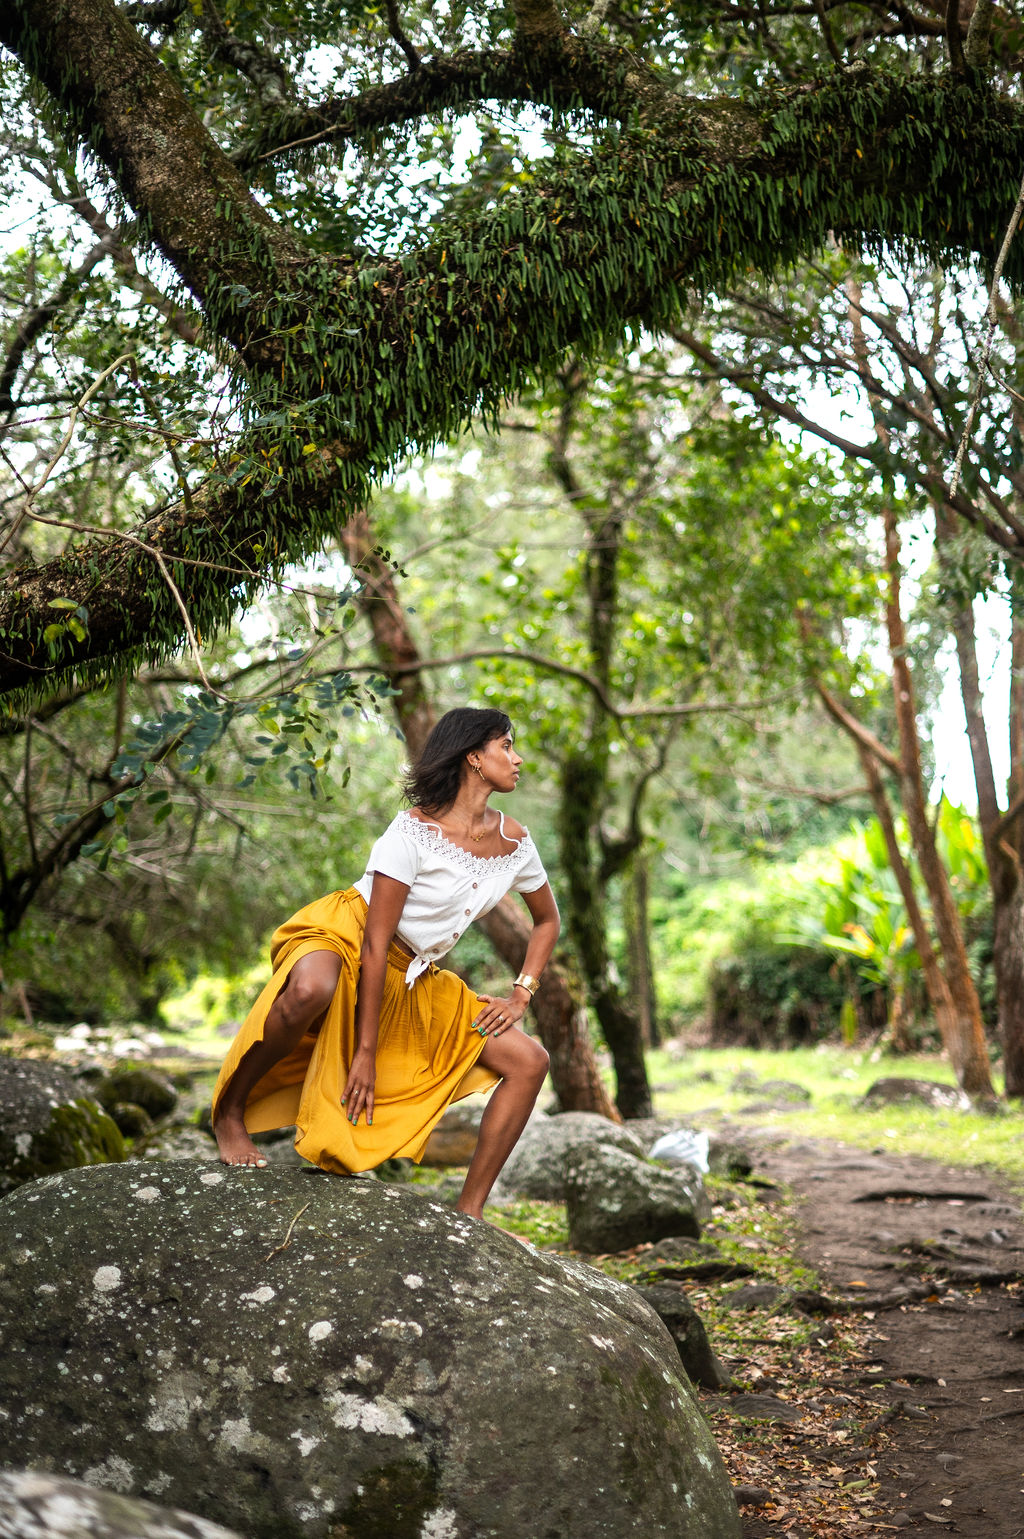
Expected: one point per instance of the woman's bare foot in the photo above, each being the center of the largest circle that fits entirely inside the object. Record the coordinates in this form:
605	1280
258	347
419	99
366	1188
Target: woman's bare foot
234	1143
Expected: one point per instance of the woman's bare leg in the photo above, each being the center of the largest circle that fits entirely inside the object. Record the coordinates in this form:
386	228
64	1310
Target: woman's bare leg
522	1064
304	997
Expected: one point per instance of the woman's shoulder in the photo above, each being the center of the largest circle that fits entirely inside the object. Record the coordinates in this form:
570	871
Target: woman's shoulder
511	829
412	818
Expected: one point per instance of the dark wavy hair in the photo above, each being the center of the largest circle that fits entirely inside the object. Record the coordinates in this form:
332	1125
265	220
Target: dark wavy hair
433	781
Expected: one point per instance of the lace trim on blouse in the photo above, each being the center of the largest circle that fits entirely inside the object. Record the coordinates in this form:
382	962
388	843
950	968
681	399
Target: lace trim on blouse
430	837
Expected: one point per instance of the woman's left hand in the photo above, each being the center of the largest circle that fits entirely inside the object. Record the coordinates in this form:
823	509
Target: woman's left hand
497	1015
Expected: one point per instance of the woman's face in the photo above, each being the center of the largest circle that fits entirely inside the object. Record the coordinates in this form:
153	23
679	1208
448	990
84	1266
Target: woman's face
499	762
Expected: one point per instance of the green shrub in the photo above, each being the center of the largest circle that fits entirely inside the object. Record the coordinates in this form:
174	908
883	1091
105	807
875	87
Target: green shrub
774	996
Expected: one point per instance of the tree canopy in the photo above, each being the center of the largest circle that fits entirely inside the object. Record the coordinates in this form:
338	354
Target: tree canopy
379	226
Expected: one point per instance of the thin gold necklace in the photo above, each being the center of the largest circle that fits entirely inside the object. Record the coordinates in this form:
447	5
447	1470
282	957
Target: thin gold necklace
476	838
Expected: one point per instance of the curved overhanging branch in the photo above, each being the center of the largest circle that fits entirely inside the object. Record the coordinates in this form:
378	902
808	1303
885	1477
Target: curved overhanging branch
589	682
571	73
399	354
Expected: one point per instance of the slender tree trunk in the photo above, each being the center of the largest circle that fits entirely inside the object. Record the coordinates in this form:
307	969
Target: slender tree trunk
582	779
558	1008
1001	841
639	963
935	983
963	1029
1010	831
896	1026
966	1040
584	774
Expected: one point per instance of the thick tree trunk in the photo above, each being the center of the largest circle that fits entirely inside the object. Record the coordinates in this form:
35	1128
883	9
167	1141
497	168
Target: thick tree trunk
558	1009
620	1026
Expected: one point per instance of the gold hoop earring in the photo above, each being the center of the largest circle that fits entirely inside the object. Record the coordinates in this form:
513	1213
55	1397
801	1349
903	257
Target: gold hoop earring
480	772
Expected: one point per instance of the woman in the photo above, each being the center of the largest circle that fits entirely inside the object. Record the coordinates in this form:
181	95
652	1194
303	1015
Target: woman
359	1038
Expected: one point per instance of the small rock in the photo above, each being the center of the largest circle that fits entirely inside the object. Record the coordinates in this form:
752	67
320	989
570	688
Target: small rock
727	1158
133	1121
453	1141
687	1331
758	1407
680	1250
48	1124
751	1496
616	1200
143	1087
755	1296
538	1165
784	1090
896	1090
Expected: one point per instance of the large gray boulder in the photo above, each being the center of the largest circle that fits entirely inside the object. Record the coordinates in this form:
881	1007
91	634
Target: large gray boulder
300	1355
34	1505
615	1201
538	1165
47	1123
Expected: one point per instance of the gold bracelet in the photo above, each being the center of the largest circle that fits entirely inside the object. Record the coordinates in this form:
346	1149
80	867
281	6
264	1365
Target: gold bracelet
524	981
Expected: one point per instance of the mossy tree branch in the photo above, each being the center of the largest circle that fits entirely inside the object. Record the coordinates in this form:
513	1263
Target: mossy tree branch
377	358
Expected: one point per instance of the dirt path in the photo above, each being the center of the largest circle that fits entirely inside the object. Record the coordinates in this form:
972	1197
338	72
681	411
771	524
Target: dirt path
935	1255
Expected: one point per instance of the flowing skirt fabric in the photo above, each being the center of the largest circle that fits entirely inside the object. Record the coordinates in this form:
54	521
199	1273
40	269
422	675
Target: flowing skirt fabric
427	1049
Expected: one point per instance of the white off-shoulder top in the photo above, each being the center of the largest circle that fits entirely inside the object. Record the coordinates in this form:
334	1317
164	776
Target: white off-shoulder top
449	887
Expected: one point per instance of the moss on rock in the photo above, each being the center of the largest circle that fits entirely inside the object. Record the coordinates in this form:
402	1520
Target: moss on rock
48	1125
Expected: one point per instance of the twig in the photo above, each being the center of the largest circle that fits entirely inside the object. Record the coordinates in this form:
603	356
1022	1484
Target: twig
395	28
595	686
990	313
189	632
830	42
58	454
288	1237
954	41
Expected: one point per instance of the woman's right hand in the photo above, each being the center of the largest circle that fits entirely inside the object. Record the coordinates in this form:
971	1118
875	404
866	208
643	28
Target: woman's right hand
358	1093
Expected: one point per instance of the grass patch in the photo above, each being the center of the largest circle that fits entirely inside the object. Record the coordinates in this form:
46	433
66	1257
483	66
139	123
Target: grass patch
711	1084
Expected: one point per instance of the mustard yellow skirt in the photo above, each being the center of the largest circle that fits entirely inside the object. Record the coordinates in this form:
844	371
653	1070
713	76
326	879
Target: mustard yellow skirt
427	1049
